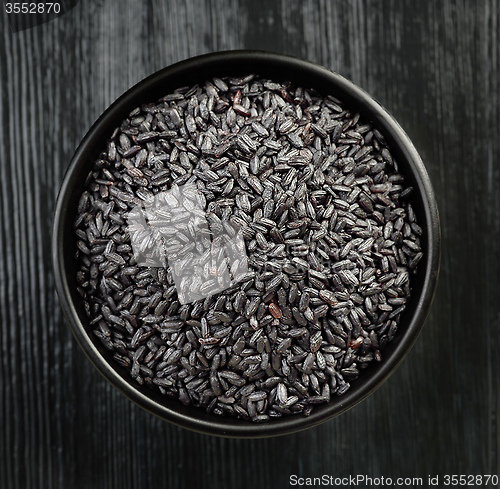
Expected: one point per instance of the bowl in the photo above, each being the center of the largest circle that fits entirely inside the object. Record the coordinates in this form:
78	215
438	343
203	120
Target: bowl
280	68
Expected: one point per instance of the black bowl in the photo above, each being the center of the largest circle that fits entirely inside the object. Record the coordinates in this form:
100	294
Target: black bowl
280	68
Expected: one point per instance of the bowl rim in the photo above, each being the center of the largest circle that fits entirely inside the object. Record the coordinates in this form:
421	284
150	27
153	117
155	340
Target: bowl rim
228	427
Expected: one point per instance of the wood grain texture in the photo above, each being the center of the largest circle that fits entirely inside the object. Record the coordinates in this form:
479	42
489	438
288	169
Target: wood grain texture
433	65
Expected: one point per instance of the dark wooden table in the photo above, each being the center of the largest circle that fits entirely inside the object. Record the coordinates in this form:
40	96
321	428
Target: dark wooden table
434	65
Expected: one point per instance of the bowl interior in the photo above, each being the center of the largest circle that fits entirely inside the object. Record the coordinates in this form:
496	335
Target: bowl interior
279	68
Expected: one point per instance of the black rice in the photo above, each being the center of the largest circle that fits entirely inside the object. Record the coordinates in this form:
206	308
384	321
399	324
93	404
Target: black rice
319	235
